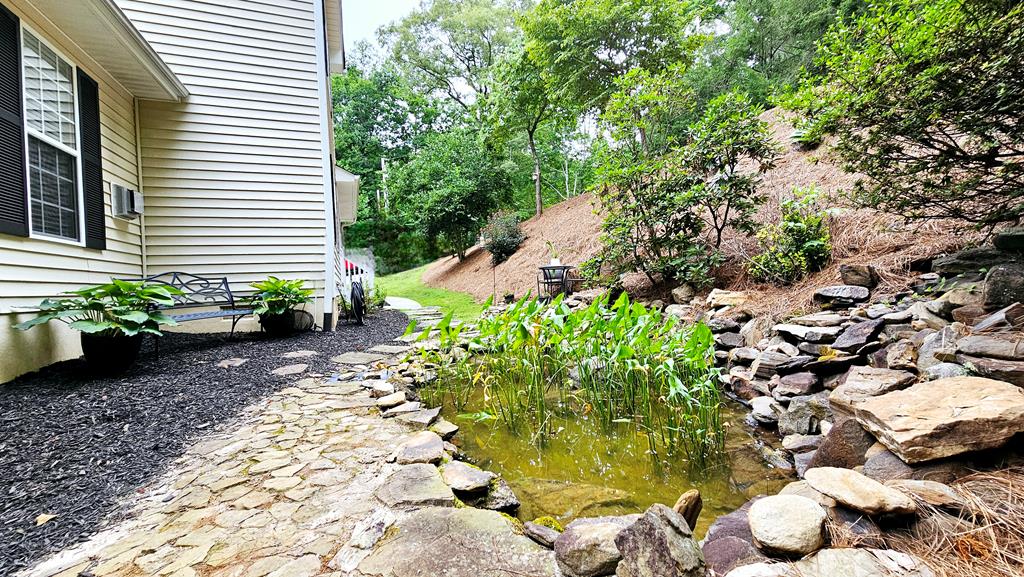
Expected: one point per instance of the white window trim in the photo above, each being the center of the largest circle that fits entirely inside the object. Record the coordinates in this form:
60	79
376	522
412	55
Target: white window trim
75	152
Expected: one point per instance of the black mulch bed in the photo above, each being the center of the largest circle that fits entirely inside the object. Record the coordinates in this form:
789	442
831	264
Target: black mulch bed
76	445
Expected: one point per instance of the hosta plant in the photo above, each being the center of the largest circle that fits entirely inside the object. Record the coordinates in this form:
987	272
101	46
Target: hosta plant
275	296
119	308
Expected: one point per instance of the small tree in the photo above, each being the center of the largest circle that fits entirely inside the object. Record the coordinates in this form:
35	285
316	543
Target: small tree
728	135
926	98
502	236
670	192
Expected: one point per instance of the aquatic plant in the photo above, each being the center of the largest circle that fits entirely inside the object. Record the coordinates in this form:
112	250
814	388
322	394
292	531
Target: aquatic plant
619	363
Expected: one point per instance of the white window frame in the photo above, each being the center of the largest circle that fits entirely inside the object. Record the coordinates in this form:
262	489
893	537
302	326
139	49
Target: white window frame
32	133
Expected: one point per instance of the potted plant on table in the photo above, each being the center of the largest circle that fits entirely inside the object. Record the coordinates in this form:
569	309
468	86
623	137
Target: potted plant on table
274	302
112	318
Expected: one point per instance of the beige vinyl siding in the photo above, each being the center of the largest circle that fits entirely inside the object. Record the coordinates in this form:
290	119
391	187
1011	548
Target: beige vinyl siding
234	176
32	269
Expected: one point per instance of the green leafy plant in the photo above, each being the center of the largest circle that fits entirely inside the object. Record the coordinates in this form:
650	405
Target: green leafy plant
617	362
502	236
113	309
375	299
799	244
275	296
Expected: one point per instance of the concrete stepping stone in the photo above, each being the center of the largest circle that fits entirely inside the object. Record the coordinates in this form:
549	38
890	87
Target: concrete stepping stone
300	354
289	370
232	362
357	358
391	349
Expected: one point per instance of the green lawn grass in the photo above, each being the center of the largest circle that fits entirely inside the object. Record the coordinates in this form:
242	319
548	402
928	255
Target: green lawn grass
409	285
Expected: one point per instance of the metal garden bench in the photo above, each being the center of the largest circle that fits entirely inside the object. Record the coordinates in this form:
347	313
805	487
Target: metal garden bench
198	291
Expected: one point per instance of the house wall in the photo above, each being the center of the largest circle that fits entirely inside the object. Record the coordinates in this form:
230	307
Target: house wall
234	177
33	269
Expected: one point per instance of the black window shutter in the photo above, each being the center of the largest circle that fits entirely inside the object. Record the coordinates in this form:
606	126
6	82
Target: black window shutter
92	162
13	191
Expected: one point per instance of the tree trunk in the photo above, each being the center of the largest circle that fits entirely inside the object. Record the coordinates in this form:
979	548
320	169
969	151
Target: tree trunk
538	198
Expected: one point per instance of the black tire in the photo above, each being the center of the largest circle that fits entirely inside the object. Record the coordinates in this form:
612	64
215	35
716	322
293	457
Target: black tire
358	302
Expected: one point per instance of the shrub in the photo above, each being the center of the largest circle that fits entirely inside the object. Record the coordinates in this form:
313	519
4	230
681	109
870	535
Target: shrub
276	296
502	236
800	243
118	308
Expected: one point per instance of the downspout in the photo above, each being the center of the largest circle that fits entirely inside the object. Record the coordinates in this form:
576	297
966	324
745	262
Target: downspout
143	247
324	87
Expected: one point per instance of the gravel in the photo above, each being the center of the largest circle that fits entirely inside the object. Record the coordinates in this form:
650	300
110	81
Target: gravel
76	445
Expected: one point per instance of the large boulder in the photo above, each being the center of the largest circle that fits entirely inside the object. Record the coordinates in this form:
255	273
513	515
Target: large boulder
943	418
587	546
467	478
1010	239
855	491
683	294
787	525
659	544
972	260
463	542
1004	285
722	555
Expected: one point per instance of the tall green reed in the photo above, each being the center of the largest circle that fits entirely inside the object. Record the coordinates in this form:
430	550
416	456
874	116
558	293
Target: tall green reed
617	362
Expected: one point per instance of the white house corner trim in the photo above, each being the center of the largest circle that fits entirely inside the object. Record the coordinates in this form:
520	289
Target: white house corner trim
326	127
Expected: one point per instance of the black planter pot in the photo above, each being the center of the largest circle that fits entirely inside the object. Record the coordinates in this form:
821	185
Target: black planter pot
110	354
278	325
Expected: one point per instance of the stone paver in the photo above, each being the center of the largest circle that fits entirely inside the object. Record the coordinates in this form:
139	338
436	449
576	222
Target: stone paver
357	358
279	495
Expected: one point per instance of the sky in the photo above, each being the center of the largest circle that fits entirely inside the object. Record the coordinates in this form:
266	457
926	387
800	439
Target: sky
364	17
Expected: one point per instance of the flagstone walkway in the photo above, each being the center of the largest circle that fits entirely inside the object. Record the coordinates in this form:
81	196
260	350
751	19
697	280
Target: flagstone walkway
289	492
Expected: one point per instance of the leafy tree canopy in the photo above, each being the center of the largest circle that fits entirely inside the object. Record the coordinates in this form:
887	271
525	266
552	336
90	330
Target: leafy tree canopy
583	46
449	187
927	97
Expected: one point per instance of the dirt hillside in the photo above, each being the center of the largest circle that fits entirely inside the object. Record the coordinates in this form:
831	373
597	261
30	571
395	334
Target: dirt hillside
858	236
571	226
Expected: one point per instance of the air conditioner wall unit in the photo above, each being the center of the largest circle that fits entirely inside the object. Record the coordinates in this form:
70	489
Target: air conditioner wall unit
127	203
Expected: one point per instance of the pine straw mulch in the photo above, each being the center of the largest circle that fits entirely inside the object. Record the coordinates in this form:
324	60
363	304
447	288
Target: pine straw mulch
988	541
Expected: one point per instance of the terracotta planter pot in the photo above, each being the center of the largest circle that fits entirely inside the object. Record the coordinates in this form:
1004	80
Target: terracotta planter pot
110	354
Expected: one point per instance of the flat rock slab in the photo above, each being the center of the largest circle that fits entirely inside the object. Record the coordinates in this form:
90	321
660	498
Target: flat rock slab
357	358
423	447
232	362
866	382
416	486
854	490
289	370
943	418
422	418
300	354
458	543
463	477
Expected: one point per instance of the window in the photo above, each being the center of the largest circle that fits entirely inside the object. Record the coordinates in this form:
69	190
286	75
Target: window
53	156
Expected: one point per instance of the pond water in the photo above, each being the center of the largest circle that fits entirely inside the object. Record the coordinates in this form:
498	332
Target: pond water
585	470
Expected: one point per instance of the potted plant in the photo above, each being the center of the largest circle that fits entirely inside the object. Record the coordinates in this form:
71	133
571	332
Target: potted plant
555	261
274	302
112	318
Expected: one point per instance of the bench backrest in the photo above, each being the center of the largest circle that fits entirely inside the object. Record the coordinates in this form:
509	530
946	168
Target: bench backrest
196	291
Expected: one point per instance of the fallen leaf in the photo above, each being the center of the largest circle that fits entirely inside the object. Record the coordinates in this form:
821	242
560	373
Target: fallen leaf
44	519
